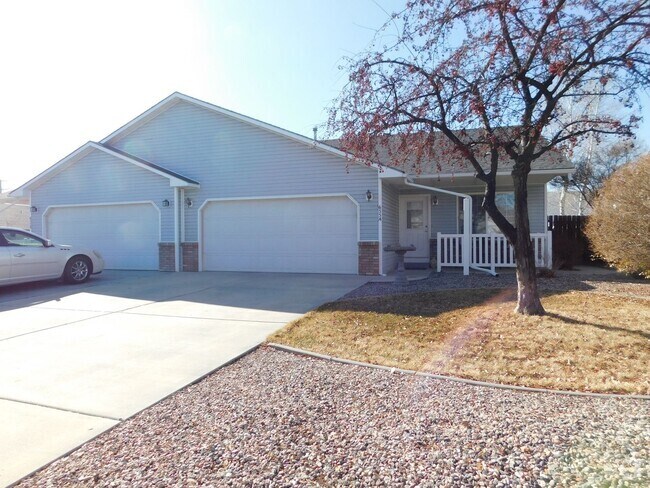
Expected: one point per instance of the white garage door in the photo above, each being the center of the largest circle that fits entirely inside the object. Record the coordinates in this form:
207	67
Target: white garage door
293	235
126	235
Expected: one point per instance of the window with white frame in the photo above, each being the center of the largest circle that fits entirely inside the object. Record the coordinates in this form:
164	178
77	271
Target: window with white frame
481	222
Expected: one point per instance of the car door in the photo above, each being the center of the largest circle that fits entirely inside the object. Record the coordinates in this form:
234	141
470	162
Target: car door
5	261
30	258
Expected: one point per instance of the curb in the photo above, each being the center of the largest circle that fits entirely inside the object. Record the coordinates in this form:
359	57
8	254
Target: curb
303	352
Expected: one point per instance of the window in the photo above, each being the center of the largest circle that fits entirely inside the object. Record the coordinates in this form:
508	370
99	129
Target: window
414	215
481	222
14	238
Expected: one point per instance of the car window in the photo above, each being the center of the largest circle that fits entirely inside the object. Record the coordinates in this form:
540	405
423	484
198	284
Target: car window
15	238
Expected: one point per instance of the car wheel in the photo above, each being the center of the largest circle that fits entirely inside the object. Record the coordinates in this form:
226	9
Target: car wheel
77	270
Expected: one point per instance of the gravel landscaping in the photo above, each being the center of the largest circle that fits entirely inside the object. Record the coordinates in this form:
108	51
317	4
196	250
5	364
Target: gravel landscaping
278	419
601	281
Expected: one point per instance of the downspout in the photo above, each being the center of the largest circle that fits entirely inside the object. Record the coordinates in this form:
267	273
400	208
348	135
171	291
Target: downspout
467	224
182	216
380	225
178	204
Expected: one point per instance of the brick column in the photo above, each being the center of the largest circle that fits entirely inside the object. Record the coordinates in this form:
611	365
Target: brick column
166	258
190	251
369	258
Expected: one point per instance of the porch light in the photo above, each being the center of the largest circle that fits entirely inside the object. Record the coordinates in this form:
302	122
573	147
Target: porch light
434	200
165	203
368	195
189	202
33	209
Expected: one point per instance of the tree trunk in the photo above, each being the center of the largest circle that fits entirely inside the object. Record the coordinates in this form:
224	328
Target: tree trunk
528	302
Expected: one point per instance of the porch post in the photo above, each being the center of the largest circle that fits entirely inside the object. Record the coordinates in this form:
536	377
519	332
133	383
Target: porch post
549	249
493	252
467	232
178	208
439	253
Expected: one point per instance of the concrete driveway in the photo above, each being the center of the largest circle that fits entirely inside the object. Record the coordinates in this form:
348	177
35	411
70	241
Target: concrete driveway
77	360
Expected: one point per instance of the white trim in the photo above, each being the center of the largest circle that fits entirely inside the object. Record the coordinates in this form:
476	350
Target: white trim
182	223
559	171
380	224
271	197
83	151
178	208
177	97
104	204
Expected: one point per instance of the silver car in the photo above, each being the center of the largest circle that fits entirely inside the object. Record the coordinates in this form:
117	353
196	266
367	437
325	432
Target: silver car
25	257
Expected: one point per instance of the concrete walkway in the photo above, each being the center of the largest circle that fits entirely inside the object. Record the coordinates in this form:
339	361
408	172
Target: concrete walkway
77	360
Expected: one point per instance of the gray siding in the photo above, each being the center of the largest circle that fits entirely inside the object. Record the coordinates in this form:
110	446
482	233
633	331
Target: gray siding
390	225
444	216
536	215
233	159
101	178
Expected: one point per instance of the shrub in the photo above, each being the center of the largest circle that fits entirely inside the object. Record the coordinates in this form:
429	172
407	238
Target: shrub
619	228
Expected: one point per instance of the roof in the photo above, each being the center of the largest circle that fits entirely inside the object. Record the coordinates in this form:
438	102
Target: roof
175	179
439	157
155	167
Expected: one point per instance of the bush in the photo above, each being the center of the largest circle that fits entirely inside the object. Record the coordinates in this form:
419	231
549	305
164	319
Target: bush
619	228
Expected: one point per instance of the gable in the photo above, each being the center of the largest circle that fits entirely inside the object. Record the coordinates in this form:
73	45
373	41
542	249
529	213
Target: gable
174	179
192	140
99	176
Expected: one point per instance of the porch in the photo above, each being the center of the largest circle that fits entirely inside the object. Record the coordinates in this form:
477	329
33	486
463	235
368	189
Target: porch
443	219
488	251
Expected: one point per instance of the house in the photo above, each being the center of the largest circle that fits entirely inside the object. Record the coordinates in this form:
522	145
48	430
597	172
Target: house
189	186
14	212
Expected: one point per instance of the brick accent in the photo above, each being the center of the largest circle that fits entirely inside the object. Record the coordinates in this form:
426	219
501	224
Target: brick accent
166	258
369	258
190	251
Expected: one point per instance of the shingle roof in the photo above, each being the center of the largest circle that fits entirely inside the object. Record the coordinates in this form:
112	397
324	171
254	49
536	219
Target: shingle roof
438	156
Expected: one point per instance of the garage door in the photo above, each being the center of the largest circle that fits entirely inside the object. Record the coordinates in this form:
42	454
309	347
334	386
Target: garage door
294	235
126	235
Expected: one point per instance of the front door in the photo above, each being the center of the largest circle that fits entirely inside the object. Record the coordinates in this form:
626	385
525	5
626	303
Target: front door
414	222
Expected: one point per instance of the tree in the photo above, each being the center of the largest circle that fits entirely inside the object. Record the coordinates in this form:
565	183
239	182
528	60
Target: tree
595	164
619	228
506	69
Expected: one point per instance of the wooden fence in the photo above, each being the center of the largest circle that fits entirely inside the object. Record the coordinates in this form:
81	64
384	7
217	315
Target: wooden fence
570	244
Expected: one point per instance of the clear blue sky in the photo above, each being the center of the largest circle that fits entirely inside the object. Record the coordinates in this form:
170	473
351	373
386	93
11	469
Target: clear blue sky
74	71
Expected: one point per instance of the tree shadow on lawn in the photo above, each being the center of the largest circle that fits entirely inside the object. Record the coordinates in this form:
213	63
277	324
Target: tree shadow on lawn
607	328
421	304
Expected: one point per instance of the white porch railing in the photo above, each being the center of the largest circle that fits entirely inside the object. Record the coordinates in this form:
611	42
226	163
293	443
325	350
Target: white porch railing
490	250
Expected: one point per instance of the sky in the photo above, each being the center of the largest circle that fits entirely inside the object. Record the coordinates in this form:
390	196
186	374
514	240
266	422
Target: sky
74	71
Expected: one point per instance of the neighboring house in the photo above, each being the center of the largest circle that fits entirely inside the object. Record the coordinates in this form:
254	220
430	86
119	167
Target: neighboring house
194	187
570	202
14	212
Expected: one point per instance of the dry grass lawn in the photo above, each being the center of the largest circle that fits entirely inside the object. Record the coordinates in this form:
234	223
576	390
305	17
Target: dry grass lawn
587	342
